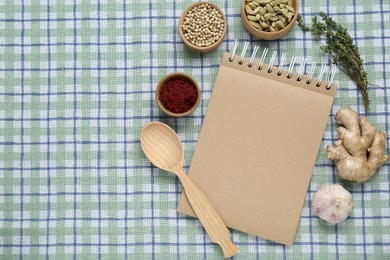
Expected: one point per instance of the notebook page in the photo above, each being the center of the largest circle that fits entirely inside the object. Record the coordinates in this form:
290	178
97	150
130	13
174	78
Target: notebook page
257	149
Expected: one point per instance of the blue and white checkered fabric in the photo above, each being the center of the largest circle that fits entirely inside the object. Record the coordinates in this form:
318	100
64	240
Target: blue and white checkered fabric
77	81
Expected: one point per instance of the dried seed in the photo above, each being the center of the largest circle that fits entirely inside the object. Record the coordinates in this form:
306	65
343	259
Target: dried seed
255	3
272	29
283	1
273	24
282	5
262	18
275	18
251	18
290	3
258	17
256	10
262	11
248	9
268	16
256	25
269	8
291	9
251	5
290	17
284	12
263	2
280	24
264	25
276	9
275	2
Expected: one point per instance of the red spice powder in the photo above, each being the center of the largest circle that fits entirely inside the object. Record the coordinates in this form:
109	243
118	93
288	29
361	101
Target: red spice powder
178	95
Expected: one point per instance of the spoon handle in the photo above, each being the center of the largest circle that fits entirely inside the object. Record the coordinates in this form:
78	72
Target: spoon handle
207	215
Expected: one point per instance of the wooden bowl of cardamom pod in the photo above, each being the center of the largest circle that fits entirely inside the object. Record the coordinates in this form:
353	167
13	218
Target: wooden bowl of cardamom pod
269	19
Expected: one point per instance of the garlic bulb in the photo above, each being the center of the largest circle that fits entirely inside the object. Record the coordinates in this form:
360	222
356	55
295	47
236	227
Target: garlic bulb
332	203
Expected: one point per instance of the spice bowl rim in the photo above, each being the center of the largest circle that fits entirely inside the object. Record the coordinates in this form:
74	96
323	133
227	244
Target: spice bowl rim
170	76
268	36
188	43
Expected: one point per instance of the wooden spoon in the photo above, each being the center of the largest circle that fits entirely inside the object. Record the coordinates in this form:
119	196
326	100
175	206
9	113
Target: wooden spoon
163	148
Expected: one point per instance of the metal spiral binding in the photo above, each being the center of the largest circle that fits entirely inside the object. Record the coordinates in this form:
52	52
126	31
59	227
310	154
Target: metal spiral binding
253	56
330	75
231	59
301	69
320	75
281	63
291	67
327	72
311	72
262	58
272	61
242	56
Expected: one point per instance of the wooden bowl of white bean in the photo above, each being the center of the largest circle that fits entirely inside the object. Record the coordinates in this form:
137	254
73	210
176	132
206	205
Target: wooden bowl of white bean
202	27
269	19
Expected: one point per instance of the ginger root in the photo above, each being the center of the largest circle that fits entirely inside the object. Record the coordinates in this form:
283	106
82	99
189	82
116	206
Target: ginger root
360	150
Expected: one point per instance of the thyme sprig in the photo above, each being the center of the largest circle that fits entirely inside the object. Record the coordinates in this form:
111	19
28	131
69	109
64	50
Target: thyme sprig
340	47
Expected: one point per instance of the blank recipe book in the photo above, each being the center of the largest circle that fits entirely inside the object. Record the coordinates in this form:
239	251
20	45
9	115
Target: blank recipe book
258	144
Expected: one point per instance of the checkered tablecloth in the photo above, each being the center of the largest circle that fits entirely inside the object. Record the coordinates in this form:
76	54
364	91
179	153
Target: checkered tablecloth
77	81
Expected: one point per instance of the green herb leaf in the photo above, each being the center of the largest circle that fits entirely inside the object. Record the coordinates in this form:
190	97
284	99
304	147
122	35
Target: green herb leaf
340	47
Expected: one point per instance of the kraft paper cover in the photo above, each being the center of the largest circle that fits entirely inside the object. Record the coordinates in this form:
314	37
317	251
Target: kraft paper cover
257	148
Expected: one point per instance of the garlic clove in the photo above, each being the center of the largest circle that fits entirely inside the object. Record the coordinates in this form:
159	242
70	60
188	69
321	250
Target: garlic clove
332	203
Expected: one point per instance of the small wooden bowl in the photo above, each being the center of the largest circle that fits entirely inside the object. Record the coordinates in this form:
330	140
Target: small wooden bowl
268	35
192	46
172	76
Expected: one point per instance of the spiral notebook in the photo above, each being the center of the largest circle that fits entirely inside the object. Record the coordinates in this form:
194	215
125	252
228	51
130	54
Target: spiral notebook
259	142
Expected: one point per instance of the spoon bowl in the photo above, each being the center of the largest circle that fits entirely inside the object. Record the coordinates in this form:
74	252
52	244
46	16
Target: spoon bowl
162	146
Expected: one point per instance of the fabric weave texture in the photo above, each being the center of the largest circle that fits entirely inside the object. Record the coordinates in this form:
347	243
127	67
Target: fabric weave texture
77	81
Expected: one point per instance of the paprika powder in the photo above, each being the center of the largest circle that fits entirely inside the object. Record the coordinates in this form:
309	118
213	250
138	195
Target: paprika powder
178	95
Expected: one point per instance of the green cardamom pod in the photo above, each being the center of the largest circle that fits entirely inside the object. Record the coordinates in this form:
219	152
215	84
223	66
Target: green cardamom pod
251	18
263	2
269	8
256	10
256	25
251	5
290	17
279	24
284	12
264	25
268	16
262	11
248	10
291	9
